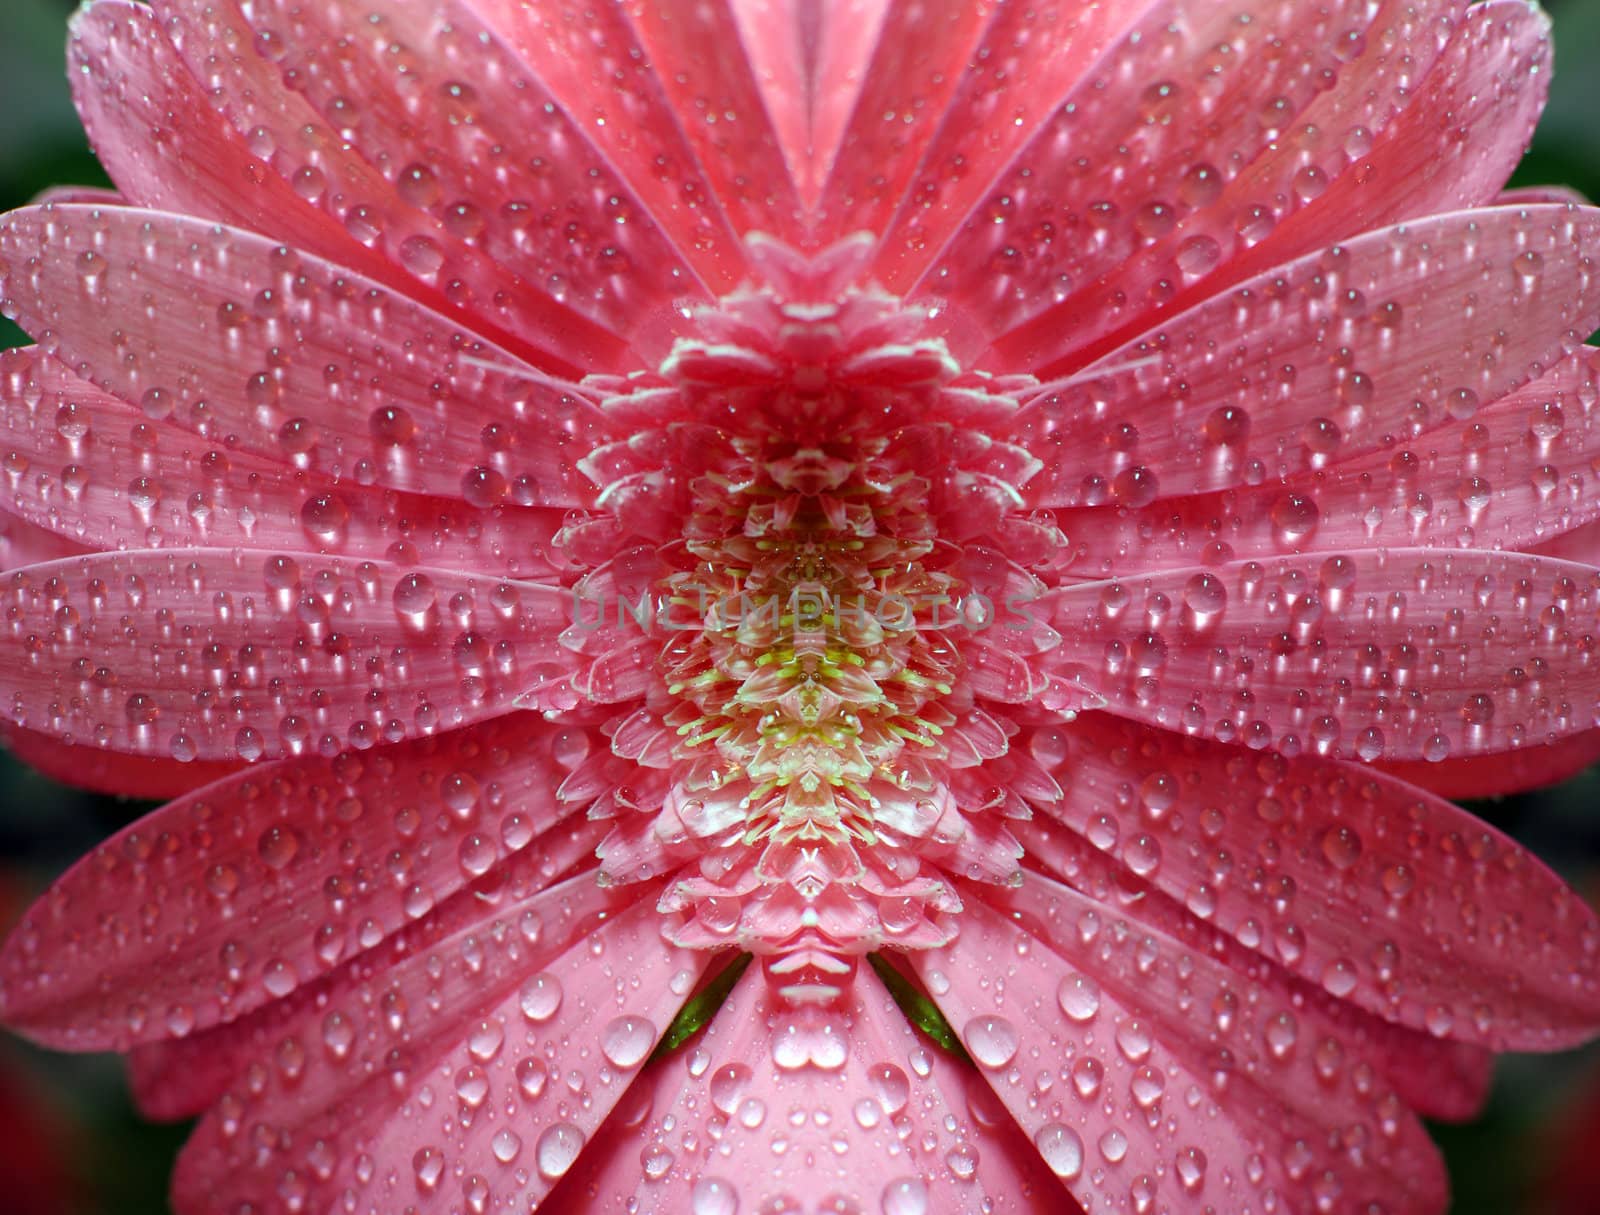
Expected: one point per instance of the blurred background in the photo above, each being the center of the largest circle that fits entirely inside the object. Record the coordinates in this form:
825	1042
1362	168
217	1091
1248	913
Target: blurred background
70	1143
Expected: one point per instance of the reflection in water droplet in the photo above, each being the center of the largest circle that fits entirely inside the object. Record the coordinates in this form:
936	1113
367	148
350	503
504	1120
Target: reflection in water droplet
713	1196
541	997
1061	1149
507	1145
992	1040
1079	997
558	1147
905	1196
627	1040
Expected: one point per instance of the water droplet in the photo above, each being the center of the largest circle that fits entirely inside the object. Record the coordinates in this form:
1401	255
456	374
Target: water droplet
391	426
713	1196
728	1085
472	1086
485	1041
1146	1086
1198	255
1113	1146
1294	519
1142	854
428	1165
890	1085
558	1147
1204	595
507	1145
419	186
1280	1033
325	519
627	1040
1341	846
1061	1149
1226	426
477	855
1079	997
541	997
991	1040
905	1196
1191	1168
532	1075
1133	1040
278	846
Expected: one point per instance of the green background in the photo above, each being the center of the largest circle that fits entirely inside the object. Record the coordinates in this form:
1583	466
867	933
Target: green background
70	1144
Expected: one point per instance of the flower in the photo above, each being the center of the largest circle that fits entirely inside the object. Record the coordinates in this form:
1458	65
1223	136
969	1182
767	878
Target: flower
1002	514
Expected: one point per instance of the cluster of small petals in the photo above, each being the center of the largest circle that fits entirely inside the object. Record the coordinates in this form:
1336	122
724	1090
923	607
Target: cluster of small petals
1016	516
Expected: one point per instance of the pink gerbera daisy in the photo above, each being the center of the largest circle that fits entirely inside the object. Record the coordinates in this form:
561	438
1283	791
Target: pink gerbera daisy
995	523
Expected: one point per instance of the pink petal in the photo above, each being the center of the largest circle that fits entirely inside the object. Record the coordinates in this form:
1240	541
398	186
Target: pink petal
1484	86
110	772
316	859
558	220
1382	894
1393	654
290	357
887	1119
1513	481
182	1077
24	543
1454	143
92	196
128	81
1477	776
1532	196
364	194
715	90
885	74
1435	1077
211	654
485	1080
97	470
1170	1075
1144	179
1409	306
1581	544
590	59
780	48
1030	60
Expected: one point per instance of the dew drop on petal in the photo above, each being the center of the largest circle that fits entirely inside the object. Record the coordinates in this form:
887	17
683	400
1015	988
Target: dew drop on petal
728	1086
1079	997
1341	846
627	1040
992	1040
557	1149
541	997
1113	1146
507	1146
713	1196
428	1166
1061	1149
905	1196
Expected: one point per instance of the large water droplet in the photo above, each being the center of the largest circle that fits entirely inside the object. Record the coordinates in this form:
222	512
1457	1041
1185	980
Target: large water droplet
992	1040
557	1149
507	1145
1061	1149
905	1196
541	997
627	1040
713	1196
1079	997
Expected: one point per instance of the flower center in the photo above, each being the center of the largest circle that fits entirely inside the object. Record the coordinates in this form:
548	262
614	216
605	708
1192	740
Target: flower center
826	637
